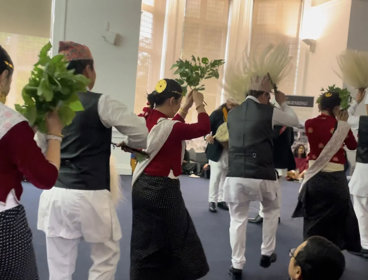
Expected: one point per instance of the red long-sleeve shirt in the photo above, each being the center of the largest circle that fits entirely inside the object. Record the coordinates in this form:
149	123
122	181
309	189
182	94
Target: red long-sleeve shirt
21	157
319	130
169	157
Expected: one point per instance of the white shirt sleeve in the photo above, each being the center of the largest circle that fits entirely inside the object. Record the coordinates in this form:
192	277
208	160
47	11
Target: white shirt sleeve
353	120
113	113
284	116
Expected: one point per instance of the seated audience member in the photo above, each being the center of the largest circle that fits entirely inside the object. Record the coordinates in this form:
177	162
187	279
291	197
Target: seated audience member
301	162
316	259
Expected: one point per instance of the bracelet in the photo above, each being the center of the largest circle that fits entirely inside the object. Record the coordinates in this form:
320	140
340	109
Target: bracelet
54	137
200	106
183	111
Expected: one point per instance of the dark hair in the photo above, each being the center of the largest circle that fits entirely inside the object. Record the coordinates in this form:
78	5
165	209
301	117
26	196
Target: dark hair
255	93
320	259
5	62
304	154
328	101
172	89
79	65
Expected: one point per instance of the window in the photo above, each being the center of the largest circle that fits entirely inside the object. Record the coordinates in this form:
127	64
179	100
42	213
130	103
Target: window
149	53
24	30
23	50
193	27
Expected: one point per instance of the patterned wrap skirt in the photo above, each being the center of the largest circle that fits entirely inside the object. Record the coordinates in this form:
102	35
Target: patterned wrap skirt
164	242
325	204
17	258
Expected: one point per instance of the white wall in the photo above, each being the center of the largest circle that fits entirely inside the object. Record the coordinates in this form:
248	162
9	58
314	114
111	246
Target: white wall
84	21
330	25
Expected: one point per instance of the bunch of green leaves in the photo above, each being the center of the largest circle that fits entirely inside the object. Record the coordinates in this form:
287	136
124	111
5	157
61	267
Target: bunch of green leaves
51	86
344	94
193	72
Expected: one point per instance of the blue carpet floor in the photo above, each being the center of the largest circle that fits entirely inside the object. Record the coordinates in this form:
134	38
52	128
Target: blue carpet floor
212	229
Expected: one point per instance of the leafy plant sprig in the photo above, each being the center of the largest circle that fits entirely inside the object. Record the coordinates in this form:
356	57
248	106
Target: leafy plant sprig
51	86
192	72
344	94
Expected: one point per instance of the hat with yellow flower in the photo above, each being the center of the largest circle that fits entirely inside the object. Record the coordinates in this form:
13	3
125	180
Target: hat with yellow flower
165	86
74	51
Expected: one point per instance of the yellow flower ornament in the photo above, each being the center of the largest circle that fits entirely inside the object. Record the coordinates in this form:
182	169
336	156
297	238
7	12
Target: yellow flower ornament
328	94
161	86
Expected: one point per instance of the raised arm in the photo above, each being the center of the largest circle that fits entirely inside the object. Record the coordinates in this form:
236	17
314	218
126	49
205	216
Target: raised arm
115	114
284	116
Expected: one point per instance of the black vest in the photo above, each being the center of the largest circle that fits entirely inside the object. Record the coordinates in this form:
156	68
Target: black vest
250	141
85	149
362	150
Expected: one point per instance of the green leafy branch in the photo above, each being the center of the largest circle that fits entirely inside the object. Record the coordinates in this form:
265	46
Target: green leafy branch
193	72
344	95
51	86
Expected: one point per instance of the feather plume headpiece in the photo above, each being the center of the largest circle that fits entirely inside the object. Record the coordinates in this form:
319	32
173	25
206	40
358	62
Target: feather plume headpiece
354	68
262	70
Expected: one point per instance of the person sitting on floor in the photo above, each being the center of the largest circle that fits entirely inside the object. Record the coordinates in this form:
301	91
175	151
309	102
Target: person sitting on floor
316	259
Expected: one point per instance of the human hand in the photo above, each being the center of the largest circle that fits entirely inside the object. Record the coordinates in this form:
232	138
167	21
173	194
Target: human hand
197	98
209	139
53	123
188	101
360	95
341	115
280	97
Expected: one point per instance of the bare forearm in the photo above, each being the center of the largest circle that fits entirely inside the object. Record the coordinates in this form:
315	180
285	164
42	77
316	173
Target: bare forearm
53	152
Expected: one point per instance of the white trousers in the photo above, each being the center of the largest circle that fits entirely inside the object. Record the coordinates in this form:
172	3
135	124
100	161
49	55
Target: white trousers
217	177
361	211
62	256
238	229
260	211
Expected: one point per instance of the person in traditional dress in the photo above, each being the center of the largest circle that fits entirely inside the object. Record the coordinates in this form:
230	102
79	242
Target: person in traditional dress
80	206
316	258
251	175
21	159
324	198
358	183
217	154
164	242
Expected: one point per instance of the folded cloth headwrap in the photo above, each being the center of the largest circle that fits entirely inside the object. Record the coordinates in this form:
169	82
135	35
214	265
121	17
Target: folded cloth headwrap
74	51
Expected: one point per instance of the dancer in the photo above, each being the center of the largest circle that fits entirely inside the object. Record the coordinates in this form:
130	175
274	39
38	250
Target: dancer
324	199
80	206
164	242
217	154
251	175
21	158
358	183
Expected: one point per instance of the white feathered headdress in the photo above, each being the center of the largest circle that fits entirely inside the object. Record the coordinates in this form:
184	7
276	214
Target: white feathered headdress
354	68
251	72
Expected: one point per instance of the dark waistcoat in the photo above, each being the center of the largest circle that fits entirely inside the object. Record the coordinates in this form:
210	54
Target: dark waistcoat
85	149
362	150
250	141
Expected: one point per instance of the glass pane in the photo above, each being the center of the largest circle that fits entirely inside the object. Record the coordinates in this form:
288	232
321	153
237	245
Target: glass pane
24	51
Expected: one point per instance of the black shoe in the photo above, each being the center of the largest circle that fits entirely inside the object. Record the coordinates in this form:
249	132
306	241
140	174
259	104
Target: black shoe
212	207
267	260
257	220
236	274
222	205
362	253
